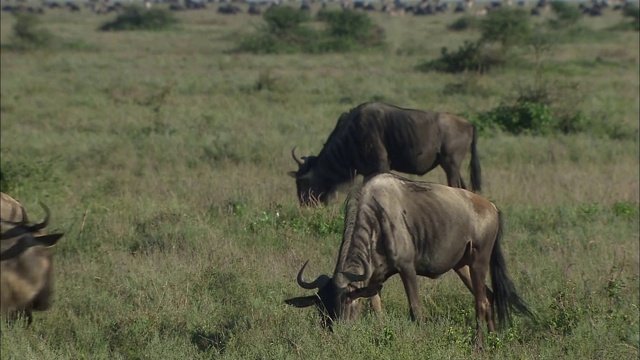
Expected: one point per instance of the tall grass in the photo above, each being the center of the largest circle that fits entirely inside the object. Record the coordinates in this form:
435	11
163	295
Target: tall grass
163	157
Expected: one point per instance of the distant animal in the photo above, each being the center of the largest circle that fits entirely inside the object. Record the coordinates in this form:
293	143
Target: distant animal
377	137
396	226
229	9
254	9
26	262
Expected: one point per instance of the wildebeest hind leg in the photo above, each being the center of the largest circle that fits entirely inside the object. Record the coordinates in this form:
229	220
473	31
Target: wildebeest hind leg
465	276
451	167
483	308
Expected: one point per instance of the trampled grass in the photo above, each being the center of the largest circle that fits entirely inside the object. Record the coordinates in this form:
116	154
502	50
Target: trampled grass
163	157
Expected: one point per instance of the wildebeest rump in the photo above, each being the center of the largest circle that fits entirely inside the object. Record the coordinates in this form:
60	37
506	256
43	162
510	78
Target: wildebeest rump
394	225
377	137
26	261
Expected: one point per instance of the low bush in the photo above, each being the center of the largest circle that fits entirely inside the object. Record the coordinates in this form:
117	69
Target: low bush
506	26
287	30
28	35
465	23
138	18
633	11
470	56
525	117
566	15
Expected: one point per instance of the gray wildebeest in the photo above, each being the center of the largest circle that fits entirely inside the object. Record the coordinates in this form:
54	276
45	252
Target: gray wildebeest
394	225
26	276
377	137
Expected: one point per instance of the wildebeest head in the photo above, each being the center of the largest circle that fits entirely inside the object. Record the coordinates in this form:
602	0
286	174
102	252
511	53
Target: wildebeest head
26	260
24	236
337	298
310	187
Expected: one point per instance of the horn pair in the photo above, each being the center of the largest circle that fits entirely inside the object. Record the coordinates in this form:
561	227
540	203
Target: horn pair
22	227
322	280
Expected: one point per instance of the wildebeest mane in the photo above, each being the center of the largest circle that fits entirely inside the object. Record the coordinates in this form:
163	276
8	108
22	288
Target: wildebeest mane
339	148
350	220
417	187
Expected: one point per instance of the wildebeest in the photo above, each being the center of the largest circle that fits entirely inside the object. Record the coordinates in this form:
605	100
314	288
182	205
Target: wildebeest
394	225
378	137
26	276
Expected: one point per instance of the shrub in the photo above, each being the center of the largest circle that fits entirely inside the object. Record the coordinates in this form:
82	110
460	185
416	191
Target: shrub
566	14
525	117
286	31
532	118
633	11
509	27
138	18
465	23
282	20
28	35
354	26
469	57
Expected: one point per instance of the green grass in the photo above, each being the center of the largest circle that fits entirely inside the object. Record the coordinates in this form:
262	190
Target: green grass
163	157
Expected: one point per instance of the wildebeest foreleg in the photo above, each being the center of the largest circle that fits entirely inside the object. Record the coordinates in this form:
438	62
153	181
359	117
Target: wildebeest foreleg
376	304
410	282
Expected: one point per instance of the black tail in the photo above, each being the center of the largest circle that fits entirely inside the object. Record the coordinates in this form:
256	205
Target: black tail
474	165
505	298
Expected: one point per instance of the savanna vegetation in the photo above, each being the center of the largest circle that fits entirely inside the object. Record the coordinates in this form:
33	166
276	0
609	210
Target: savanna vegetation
163	157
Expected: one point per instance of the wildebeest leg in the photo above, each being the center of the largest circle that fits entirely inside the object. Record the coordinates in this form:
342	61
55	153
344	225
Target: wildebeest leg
451	165
465	276
376	304
410	282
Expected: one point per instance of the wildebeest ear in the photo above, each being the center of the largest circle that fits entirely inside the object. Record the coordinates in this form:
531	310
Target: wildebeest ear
302	302
49	239
293	174
364	292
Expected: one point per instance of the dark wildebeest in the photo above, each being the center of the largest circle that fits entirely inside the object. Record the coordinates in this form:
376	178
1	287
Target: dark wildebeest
394	225
26	276
377	137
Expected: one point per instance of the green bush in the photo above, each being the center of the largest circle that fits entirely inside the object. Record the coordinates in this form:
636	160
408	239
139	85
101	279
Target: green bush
282	20
566	14
354	26
465	23
470	56
28	35
633	11
526	117
286	30
516	119
506	26
138	18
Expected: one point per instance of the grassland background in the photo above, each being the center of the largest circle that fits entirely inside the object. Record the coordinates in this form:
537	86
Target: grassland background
163	156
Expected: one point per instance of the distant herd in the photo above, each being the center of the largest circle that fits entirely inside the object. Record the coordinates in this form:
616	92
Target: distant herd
391	7
392	225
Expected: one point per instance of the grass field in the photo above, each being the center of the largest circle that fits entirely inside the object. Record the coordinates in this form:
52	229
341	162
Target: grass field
163	156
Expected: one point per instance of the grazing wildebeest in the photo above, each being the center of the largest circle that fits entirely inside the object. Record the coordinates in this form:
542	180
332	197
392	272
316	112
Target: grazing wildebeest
378	137
26	276
394	225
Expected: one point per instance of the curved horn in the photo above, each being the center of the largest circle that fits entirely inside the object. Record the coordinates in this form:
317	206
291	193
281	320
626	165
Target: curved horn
319	282
298	159
362	277
45	222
